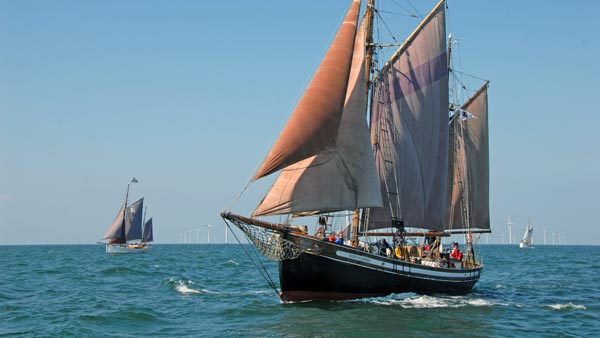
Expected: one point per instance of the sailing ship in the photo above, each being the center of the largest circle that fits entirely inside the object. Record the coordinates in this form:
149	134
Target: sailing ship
126	234
407	166
527	236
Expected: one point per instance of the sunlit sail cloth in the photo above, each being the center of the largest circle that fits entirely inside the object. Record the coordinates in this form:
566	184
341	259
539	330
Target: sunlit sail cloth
133	220
343	178
409	126
468	174
313	126
148	233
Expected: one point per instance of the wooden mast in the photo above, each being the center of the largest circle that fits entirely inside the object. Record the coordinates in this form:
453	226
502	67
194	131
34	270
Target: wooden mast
123	232
369	14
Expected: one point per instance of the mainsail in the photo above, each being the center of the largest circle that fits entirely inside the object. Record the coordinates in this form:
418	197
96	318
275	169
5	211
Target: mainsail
468	165
409	127
528	233
133	220
341	178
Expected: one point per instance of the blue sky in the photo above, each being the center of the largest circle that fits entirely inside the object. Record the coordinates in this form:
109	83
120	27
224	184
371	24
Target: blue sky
188	96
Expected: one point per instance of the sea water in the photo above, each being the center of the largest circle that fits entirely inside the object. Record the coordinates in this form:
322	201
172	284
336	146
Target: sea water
218	290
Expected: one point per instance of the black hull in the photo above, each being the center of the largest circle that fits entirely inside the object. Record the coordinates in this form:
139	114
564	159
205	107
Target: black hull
332	272
313	269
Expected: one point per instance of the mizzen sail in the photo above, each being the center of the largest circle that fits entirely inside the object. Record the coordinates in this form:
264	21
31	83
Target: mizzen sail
409	127
468	173
148	232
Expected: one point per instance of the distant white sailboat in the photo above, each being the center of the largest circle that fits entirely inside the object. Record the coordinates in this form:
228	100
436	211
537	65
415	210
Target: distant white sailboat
526	241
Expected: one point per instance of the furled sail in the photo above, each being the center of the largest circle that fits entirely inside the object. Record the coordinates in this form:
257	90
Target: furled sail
342	178
148	233
115	230
313	125
133	220
468	162
409	128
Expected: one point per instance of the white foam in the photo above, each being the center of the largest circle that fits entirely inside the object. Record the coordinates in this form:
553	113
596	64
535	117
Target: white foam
181	286
184	289
431	302
567	306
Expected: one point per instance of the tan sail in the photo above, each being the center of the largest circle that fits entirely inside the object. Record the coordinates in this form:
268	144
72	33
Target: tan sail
409	126
343	178
313	126
468	174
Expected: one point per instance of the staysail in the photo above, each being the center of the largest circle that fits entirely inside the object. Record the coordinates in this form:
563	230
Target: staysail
115	231
468	165
409	128
341	178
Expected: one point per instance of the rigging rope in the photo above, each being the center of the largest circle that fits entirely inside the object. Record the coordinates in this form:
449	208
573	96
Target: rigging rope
262	269
235	200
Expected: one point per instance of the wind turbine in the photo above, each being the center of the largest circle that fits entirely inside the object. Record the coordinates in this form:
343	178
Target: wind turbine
226	233
544	236
208	226
510	224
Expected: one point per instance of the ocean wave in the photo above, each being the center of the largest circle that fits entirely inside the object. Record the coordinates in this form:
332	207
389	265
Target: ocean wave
183	286
184	289
118	270
567	306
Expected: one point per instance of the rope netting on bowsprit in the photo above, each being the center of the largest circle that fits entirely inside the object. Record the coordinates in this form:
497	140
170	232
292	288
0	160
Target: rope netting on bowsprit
269	242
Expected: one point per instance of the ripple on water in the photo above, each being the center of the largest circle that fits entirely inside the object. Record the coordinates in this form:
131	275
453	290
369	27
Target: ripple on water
117	270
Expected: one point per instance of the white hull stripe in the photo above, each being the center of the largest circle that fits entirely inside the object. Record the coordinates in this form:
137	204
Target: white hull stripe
404	269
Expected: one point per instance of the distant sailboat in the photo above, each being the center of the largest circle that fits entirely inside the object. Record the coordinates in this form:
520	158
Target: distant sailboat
526	241
126	234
